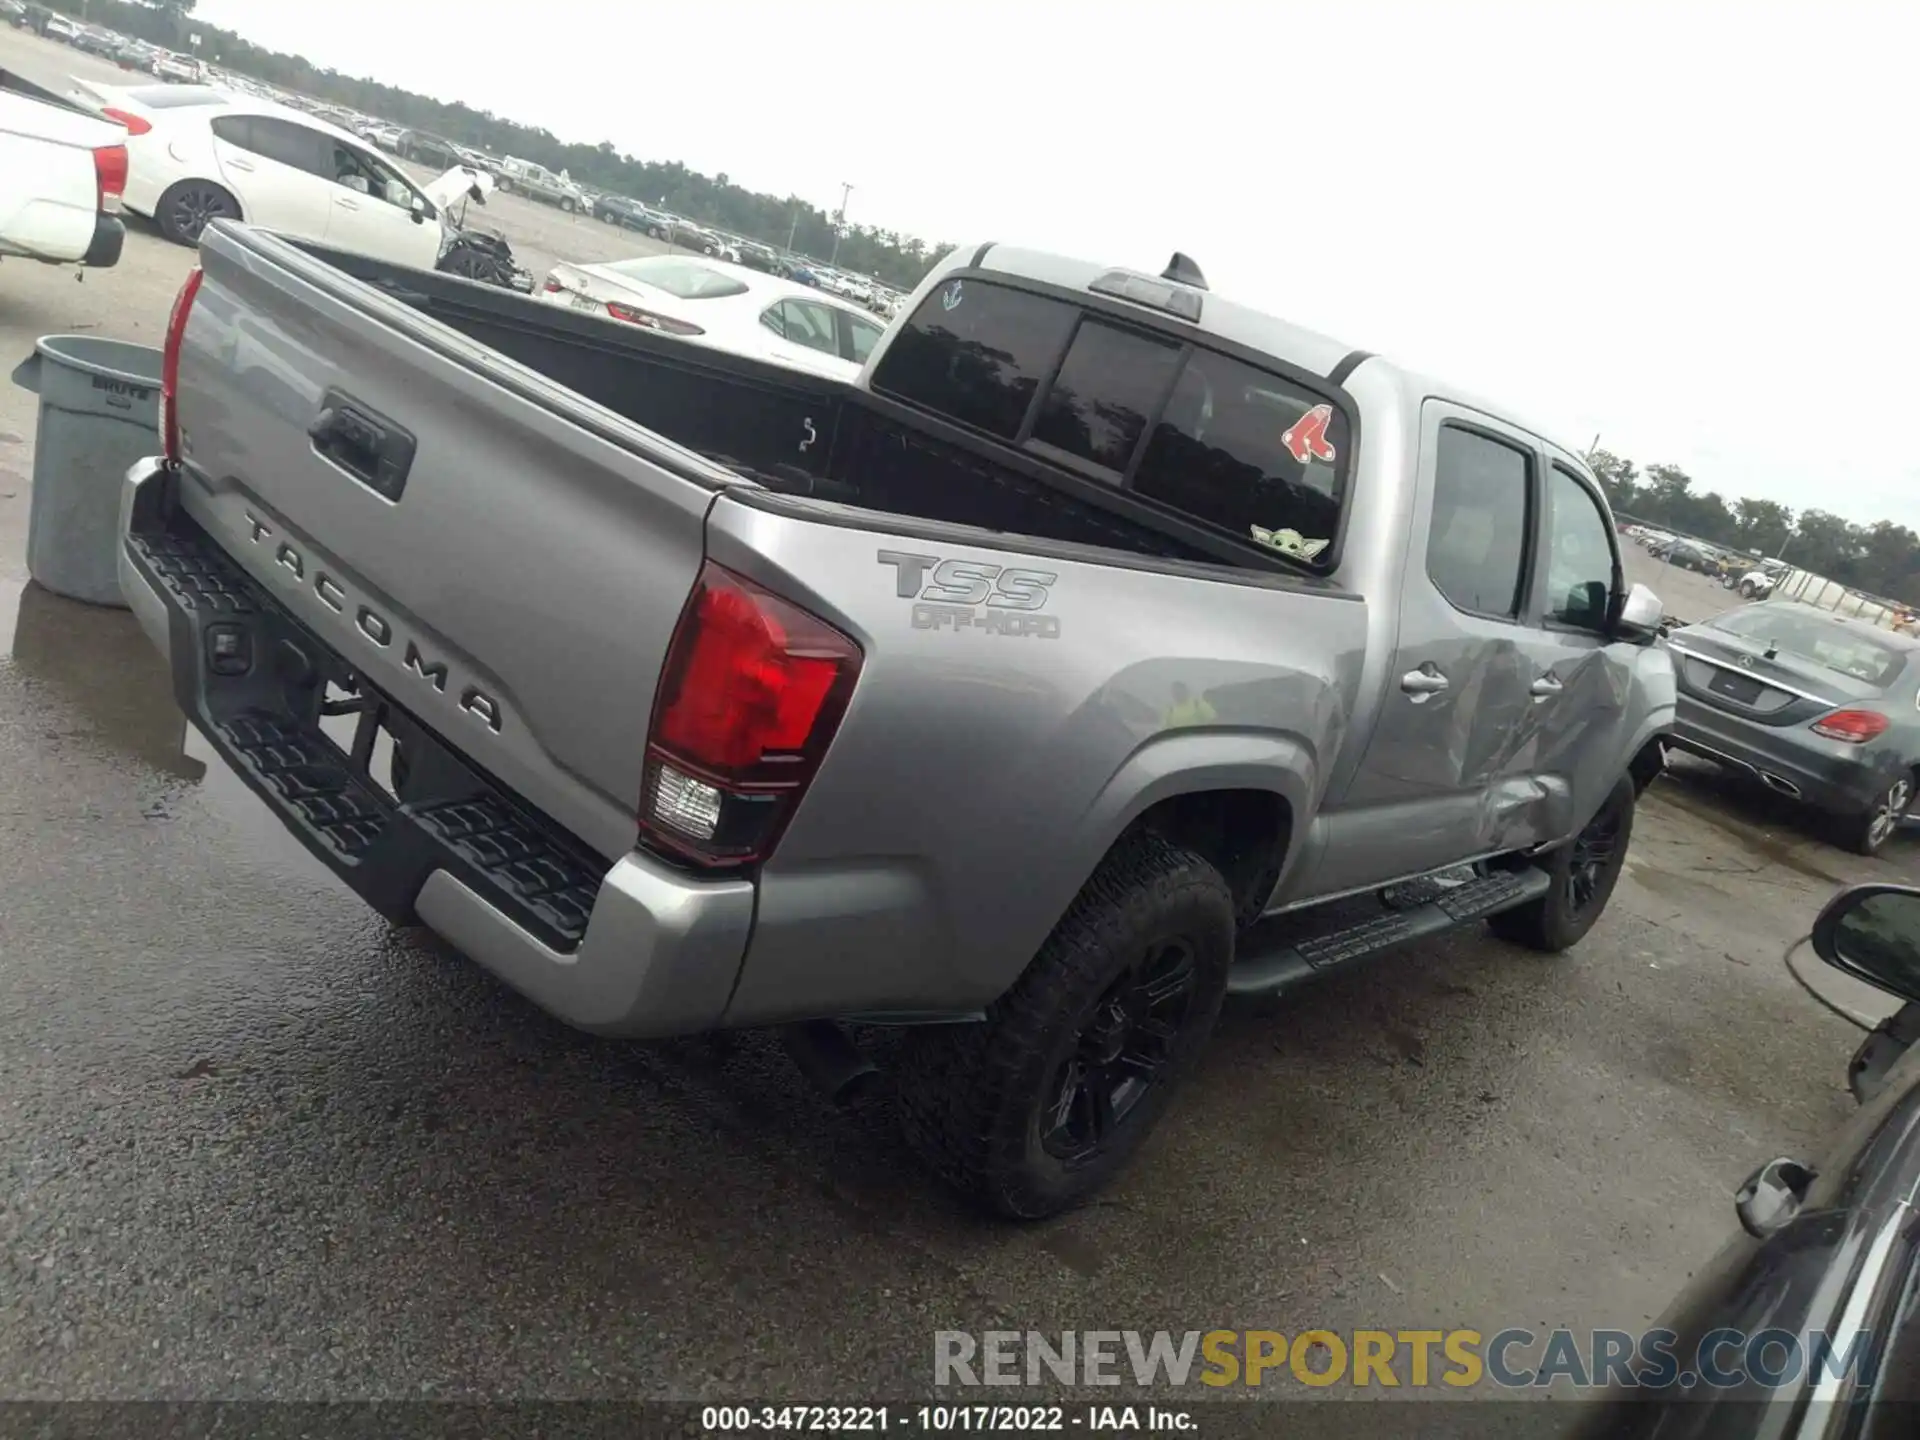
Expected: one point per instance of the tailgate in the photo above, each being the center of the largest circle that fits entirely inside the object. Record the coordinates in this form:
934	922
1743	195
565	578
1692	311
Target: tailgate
502	558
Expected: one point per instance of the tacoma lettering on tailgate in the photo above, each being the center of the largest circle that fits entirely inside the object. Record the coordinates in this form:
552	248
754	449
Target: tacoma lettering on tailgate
973	595
373	627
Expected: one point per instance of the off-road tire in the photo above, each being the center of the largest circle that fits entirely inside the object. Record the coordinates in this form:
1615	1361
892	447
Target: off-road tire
1868	832
971	1096
1557	920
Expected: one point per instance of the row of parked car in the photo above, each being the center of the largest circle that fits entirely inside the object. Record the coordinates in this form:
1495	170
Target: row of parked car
126	51
1752	574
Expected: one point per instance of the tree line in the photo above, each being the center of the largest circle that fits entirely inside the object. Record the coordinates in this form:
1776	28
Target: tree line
1881	559
788	223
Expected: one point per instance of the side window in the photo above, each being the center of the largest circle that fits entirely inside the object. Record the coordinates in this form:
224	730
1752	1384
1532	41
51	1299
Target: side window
865	335
775	319
976	352
1579	557
1477	546
1251	453
291	144
1111	382
236	130
809	325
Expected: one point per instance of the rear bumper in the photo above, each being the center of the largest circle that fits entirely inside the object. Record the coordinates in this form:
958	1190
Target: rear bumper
1829	774
621	946
109	236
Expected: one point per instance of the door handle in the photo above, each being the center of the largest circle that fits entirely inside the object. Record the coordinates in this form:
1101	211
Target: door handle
240	165
1546	687
1424	683
361	441
345	204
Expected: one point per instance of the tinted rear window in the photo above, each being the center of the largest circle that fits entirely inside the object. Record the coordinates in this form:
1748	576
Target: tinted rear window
1251	453
1806	635
682	278
977	353
1238	448
1109	386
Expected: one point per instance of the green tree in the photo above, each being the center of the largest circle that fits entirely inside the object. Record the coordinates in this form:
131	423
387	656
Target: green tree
1762	525
1617	478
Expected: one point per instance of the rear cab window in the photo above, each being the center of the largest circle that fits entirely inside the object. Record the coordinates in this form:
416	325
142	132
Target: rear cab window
1241	449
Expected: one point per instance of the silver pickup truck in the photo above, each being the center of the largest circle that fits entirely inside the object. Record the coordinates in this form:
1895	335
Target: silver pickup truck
1106	649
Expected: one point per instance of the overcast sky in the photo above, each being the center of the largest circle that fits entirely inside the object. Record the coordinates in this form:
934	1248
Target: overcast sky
1691	228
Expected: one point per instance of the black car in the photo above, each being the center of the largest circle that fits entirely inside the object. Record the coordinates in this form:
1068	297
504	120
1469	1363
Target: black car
1817	706
1810	1317
759	257
425	148
632	215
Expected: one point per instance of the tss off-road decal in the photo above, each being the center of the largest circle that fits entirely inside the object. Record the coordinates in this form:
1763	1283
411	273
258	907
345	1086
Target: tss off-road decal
973	595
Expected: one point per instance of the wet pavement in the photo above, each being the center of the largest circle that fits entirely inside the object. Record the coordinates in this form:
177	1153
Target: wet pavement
254	1143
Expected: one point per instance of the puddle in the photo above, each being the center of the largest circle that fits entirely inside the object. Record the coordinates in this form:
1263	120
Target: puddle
96	659
258	830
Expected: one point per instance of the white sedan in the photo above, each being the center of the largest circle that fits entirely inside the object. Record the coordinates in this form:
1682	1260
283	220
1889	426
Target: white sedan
727	306
196	154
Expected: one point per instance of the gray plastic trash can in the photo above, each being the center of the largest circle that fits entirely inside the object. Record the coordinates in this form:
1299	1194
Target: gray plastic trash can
99	412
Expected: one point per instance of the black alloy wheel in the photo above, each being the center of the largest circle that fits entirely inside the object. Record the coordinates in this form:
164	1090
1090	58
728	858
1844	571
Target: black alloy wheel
1120	1054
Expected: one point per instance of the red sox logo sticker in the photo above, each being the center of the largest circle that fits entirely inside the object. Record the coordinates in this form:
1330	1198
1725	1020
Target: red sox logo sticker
1306	439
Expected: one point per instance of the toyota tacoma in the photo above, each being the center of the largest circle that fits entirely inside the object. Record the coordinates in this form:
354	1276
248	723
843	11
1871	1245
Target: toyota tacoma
1105	649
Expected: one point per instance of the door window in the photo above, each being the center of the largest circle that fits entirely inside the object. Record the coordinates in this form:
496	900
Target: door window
1477	544
279	140
864	334
366	175
809	325
1580	556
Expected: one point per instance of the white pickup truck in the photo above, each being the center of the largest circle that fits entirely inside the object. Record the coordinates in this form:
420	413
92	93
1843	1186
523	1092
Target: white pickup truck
62	173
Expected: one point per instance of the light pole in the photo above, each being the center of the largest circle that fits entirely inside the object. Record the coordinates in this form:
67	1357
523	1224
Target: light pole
840	220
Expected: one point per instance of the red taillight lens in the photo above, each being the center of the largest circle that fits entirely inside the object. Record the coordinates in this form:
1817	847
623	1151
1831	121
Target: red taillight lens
664	323
1854	726
170	365
553	286
135	124
753	690
110	177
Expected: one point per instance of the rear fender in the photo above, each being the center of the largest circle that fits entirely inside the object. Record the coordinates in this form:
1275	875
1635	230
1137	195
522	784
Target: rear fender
1191	763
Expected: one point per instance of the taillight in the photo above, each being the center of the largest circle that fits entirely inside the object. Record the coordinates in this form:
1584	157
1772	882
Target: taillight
109	177
1856	727
753	690
553	286
170	365
646	318
136	125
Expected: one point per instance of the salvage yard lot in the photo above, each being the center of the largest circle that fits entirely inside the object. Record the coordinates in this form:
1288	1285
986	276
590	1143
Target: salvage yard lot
254	1143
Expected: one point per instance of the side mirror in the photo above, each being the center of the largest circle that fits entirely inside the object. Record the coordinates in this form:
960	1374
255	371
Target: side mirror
1872	932
1640	615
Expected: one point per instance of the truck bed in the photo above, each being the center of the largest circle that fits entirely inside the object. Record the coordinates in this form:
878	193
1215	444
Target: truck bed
795	434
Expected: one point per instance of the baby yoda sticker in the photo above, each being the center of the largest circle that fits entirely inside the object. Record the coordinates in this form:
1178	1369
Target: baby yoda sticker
1289	542
1306	439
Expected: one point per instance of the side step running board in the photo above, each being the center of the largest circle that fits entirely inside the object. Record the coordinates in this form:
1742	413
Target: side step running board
1269	971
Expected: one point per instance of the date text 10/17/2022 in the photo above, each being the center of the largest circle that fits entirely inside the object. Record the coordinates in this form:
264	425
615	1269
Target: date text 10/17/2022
940	1419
